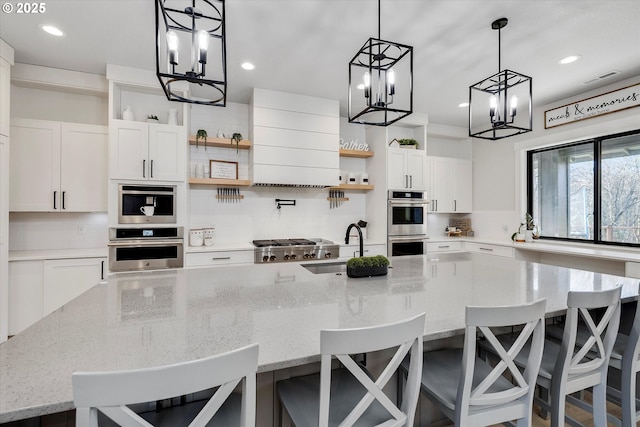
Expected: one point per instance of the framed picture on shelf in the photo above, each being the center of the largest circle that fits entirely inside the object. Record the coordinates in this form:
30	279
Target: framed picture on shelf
223	169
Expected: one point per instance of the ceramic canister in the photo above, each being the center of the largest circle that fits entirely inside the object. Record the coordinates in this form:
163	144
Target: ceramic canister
208	236
196	237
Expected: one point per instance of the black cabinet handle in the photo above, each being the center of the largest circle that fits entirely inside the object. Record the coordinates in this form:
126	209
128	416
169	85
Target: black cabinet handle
55	196
151	169
102	270
144	166
486	249
410	181
63	194
455	205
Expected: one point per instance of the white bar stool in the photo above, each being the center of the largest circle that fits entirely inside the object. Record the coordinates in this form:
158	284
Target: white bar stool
109	393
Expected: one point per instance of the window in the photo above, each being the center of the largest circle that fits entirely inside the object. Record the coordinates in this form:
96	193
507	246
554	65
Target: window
587	191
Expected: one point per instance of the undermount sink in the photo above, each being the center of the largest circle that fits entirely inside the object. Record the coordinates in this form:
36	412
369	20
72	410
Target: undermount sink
325	268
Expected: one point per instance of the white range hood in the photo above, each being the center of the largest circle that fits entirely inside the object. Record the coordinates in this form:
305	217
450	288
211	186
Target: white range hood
295	140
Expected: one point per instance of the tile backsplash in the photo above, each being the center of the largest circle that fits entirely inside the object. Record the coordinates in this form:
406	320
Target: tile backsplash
257	217
38	231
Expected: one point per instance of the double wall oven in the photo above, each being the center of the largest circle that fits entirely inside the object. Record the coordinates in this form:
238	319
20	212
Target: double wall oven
407	222
146	237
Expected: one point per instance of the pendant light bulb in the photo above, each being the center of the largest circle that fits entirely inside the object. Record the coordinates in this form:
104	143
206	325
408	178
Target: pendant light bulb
203	45
172	46
493	106
367	84
513	104
391	82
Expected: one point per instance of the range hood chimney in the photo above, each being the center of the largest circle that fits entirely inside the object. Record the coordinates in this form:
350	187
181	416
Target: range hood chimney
295	139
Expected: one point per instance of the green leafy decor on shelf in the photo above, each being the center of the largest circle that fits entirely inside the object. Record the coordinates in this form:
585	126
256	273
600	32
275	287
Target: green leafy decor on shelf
408	141
237	137
201	135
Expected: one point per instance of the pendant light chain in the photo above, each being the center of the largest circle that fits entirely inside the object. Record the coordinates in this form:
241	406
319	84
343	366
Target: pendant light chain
499	48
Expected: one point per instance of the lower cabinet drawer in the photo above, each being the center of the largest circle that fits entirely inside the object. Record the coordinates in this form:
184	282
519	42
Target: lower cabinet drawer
444	247
218	258
503	251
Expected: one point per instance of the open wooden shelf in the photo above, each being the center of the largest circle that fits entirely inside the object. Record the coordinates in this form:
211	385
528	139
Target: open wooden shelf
353	187
244	144
355	153
219	181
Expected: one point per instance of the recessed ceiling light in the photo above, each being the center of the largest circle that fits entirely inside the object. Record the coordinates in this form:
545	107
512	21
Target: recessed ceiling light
52	30
569	59
247	66
463	104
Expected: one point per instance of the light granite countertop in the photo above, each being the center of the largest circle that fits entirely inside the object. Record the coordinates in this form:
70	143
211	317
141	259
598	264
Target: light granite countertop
153	318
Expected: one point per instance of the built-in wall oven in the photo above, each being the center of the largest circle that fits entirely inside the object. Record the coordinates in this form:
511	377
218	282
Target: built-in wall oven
146	204
407	222
145	248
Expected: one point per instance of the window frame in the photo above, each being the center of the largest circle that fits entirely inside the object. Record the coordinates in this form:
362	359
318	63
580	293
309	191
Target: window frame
597	159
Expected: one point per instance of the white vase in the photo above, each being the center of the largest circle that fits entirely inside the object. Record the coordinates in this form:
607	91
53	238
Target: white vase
528	236
173	117
127	114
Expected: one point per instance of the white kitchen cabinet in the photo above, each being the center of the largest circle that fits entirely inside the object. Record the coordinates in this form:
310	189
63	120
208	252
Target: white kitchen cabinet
25	294
450	189
435	247
483	248
39	287
147	151
213	258
65	279
57	167
406	169
5	86
351	251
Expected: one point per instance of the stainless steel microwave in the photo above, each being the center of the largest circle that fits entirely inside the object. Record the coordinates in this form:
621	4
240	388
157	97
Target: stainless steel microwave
146	204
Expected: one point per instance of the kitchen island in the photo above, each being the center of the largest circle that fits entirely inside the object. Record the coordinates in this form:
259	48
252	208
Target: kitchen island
154	318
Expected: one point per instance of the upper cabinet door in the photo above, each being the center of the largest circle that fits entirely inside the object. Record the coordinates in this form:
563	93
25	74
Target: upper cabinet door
5	80
397	178
83	179
128	150
416	169
35	166
166	153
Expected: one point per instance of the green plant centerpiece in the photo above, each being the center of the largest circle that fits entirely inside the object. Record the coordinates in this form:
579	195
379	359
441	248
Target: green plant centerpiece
408	142
367	266
236	137
201	135
530	230
152	117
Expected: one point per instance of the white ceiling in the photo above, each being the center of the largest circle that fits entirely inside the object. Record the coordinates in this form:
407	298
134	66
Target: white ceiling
304	46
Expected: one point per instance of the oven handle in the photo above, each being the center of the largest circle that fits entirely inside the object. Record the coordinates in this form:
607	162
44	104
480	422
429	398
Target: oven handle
415	237
408	202
138	243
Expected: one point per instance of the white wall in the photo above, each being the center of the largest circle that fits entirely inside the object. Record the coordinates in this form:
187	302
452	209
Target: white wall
42	104
499	168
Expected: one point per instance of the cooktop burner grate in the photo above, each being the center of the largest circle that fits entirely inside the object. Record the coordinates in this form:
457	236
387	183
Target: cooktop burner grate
282	242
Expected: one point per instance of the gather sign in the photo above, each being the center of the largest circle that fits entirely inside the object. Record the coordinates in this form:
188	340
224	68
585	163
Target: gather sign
610	102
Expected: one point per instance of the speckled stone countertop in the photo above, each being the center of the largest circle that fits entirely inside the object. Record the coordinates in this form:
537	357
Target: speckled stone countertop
153	318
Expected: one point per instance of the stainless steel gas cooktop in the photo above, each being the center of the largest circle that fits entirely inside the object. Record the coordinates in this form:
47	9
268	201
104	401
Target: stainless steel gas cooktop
286	250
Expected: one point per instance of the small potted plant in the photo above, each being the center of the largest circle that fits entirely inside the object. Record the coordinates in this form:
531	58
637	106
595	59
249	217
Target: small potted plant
530	230
201	135
408	143
237	137
367	266
152	118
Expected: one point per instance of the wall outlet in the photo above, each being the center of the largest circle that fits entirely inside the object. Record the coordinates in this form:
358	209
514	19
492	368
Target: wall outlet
82	229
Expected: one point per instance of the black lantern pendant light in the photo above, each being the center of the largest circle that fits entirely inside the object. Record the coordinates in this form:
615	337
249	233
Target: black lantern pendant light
190	51
381	82
500	106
